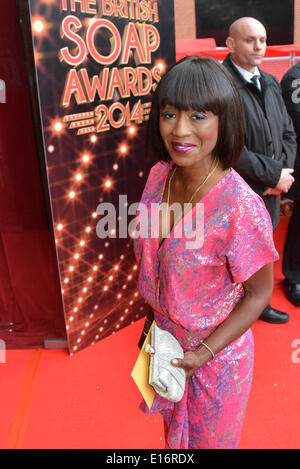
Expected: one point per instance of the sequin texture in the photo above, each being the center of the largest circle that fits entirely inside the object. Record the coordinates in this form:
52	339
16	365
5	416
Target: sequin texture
192	291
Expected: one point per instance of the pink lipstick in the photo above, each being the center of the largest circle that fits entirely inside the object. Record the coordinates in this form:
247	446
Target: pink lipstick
180	147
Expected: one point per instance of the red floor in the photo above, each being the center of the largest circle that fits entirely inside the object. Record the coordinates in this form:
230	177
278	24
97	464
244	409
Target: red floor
52	400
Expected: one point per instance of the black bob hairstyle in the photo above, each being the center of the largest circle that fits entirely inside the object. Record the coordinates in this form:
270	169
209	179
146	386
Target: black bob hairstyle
201	84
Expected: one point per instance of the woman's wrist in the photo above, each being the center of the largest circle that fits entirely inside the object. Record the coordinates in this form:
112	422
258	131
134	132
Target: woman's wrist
205	353
204	344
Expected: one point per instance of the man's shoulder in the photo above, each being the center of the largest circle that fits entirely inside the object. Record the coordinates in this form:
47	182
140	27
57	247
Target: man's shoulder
292	73
227	62
269	78
239	80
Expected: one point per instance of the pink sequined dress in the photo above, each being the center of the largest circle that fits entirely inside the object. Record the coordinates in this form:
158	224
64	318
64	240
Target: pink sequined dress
193	290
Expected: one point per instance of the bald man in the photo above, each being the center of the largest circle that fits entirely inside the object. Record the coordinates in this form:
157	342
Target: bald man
270	141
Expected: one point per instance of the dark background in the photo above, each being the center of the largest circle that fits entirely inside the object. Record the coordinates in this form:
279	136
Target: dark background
214	18
102	312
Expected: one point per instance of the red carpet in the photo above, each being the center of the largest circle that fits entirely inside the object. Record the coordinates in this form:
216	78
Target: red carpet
52	400
273	414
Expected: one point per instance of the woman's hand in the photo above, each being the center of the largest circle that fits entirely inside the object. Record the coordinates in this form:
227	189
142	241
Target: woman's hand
192	361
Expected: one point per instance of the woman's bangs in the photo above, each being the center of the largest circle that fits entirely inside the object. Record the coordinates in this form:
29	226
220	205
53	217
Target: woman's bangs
183	90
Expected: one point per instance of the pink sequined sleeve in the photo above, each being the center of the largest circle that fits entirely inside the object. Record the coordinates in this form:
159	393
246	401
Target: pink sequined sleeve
250	240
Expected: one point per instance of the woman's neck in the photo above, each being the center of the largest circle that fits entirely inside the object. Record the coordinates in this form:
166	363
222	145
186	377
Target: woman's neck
189	177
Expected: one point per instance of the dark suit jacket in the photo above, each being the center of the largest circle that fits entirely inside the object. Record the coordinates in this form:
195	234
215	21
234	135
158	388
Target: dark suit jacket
270	139
290	85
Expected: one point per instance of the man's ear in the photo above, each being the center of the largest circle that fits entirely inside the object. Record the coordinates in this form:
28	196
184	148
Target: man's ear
229	43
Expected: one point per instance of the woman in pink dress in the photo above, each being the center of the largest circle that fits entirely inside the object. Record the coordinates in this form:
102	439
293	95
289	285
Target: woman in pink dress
208	273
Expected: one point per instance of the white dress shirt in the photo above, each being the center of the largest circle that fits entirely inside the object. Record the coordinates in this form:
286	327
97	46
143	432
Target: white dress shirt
248	75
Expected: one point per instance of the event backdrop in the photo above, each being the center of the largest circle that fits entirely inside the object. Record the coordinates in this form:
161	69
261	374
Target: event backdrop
97	64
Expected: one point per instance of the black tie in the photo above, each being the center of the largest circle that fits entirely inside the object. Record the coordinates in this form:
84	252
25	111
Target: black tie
255	81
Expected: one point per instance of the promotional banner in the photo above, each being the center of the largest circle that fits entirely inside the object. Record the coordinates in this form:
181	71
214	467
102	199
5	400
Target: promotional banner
97	64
